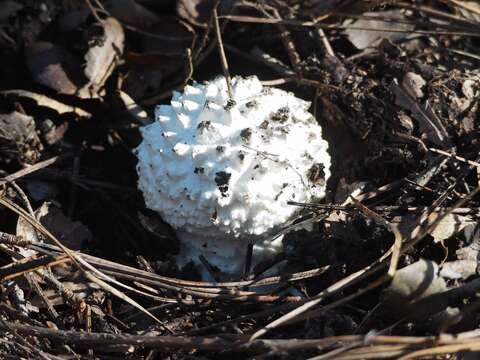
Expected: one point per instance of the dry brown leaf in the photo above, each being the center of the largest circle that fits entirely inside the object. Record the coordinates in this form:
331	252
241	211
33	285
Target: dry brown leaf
362	39
102	57
72	234
459	269
43	100
450	225
429	123
411	284
196	12
471	240
54	67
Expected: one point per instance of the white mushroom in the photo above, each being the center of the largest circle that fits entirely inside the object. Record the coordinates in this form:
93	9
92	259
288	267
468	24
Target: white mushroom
221	171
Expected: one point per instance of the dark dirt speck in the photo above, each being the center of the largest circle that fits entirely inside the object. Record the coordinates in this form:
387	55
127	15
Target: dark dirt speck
316	173
222	178
246	134
281	115
214	215
230	104
204	125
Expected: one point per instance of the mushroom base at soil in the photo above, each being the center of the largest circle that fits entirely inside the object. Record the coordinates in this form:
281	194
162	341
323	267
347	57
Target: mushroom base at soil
226	256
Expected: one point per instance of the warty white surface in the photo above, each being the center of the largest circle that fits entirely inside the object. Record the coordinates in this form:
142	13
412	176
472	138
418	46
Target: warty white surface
221	172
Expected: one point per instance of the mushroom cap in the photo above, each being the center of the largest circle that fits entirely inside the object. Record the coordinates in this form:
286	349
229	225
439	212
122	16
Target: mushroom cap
226	169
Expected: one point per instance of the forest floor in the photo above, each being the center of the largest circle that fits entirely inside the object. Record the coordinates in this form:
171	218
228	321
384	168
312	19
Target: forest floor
390	268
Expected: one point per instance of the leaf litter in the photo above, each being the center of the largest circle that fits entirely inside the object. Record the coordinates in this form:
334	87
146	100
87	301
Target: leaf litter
388	265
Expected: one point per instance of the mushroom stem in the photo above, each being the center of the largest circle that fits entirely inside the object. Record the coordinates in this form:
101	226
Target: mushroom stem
224	253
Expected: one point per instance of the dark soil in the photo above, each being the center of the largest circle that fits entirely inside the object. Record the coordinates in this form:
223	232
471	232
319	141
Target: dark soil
395	87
